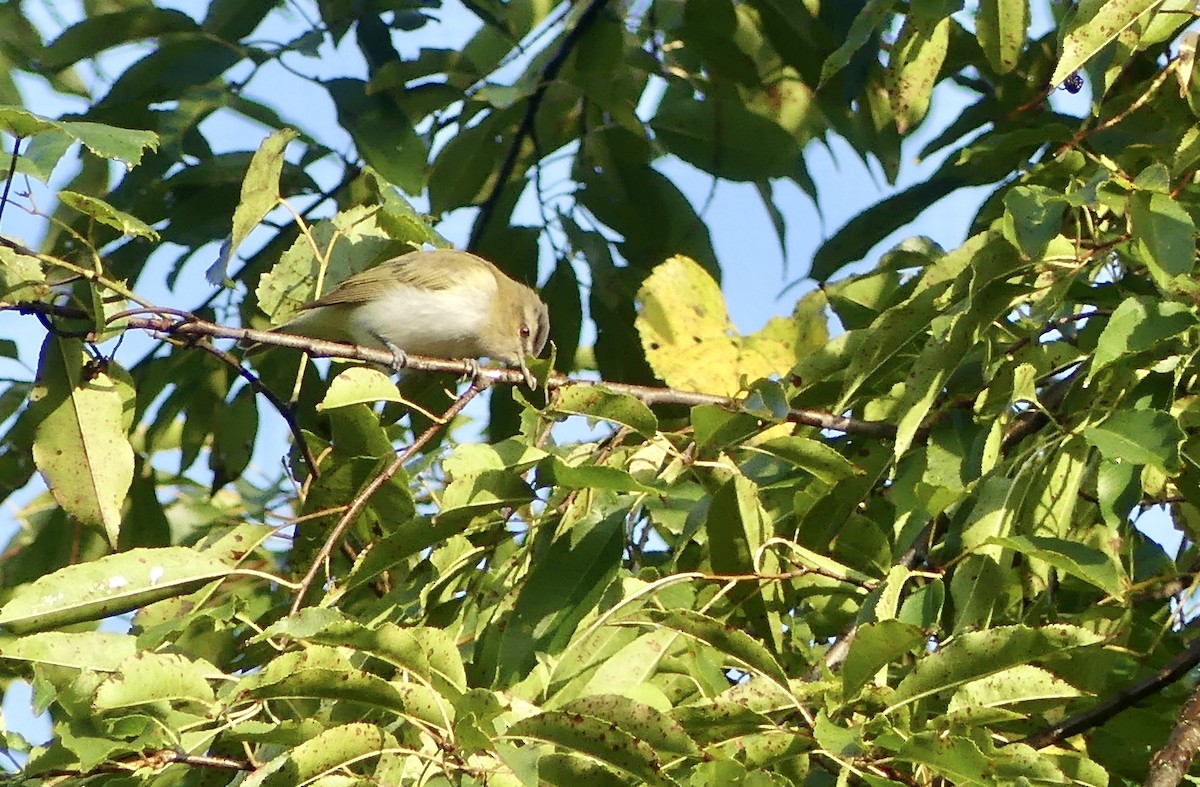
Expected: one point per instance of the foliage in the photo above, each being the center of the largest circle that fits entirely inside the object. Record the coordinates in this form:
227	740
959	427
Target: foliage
693	593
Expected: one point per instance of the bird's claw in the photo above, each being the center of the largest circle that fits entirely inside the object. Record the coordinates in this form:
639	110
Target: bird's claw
399	357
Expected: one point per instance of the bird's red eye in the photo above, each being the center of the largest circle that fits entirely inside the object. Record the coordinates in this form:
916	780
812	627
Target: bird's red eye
525	331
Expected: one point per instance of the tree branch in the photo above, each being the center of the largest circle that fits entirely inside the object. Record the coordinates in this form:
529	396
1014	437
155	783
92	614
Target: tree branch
1095	716
1170	763
188	325
281	407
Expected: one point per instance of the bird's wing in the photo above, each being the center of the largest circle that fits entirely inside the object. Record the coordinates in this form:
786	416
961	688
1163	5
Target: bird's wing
442	269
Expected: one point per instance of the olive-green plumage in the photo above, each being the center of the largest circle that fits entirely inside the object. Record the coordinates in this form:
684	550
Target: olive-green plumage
442	303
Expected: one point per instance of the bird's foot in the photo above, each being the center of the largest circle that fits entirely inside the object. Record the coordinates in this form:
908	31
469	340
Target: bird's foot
399	357
472	372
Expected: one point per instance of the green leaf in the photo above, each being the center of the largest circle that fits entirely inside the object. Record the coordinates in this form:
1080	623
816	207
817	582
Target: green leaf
915	62
960	760
711	29
96	33
475	494
622	188
112	142
812	456
260	188
1032	218
80	444
148	678
661	732
426	652
1001	28
737	528
474	458
870	20
597	402
322	672
43	153
1019	684
382	133
953	335
876	645
594	738
1118	490
104	213
1164	236
233	437
356	241
336	750
976	587
556	769
977	654
108	586
1088	33
359	385
720	136
560	590
1138	324
1143	437
744	650
1088	563
93	650
19	122
555	472
22	279
466	168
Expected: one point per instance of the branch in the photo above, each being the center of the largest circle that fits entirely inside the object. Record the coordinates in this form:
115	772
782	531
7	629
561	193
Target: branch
188	325
155	759
1095	716
526	127
1170	764
285	411
1034	419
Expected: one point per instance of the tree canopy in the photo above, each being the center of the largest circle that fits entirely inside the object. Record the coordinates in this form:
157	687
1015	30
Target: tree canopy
891	538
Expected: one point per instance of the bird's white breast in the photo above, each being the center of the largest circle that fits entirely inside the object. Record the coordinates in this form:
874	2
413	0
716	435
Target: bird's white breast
444	323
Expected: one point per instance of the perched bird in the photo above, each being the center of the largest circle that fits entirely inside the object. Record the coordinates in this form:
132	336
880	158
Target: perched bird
442	303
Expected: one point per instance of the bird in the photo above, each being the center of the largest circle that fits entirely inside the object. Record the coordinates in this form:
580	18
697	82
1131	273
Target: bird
442	303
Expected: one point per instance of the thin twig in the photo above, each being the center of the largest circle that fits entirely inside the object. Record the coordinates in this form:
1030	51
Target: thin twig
282	407
549	72
193	326
478	385
12	173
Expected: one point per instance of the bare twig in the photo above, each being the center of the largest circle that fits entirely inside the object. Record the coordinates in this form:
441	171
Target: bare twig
549	72
285	411
12	173
360	500
188	325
